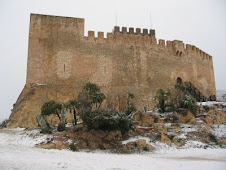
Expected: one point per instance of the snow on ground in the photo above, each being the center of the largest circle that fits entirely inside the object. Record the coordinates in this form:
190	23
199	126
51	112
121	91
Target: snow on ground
17	151
18	137
212	103
219	131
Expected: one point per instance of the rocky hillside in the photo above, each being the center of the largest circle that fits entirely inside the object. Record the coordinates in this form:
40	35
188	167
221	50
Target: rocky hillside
151	131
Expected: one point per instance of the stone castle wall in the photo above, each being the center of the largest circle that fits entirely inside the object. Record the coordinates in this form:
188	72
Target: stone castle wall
60	58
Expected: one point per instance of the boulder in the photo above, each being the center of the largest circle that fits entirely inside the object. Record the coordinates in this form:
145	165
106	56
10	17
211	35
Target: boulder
178	142
144	119
114	135
211	112
139	144
187	117
164	138
161	128
60	145
208	120
47	146
222	141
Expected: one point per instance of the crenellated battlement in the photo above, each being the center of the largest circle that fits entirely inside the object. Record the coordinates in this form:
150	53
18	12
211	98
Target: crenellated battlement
145	37
137	31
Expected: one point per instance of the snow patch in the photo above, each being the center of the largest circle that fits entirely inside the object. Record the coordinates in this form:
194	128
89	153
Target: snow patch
219	131
194	144
211	103
189	129
135	139
182	136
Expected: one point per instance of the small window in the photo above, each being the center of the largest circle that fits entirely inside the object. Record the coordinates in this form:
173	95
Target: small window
179	80
64	68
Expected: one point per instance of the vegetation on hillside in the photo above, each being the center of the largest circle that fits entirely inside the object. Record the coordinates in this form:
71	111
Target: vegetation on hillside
88	107
175	99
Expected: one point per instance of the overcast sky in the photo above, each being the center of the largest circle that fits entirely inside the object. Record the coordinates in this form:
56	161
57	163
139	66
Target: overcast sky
198	22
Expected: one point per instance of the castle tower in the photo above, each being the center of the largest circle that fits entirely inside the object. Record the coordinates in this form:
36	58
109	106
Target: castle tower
61	60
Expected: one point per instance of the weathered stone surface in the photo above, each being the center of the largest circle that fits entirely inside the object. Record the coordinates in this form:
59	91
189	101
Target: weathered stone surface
161	128
164	138
187	117
222	141
60	145
139	144
211	112
144	118
208	120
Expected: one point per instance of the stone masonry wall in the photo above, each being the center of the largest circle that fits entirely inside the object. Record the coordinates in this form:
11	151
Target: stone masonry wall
61	58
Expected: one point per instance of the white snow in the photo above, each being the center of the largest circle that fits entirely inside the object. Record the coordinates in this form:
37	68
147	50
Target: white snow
182	136
219	131
189	129
17	152
194	144
212	103
135	139
19	138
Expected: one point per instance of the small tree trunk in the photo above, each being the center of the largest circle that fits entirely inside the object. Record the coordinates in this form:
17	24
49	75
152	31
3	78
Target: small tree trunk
75	120
58	115
162	105
99	105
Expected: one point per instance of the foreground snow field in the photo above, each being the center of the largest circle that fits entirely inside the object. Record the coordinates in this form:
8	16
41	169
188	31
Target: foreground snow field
17	151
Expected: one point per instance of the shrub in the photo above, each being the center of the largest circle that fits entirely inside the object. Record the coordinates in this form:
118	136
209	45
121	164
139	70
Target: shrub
72	147
156	119
3	124
145	148
130	109
175	118
90	97
169	107
175	99
60	127
106	120
162	97
189	102
51	107
46	131
206	108
213	138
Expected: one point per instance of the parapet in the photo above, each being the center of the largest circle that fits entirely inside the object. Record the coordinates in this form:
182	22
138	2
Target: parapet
55	22
145	37
145	32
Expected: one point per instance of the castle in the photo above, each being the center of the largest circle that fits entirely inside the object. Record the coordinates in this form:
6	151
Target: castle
61	60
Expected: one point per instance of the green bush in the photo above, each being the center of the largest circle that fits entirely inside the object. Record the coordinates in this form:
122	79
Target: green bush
162	97
170	107
72	147
51	107
130	109
60	127
213	138
106	120
3	124
145	148
189	102
175	99
46	131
